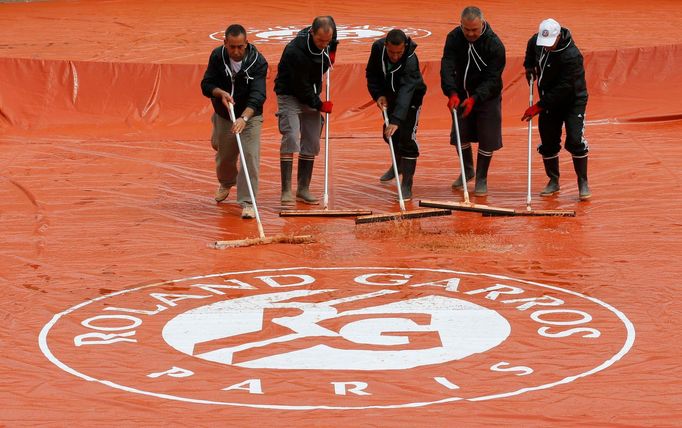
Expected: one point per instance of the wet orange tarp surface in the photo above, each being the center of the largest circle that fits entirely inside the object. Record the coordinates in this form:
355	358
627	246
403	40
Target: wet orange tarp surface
112	297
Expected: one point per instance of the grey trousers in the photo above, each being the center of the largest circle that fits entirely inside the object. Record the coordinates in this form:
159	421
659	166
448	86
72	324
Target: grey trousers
300	126
224	143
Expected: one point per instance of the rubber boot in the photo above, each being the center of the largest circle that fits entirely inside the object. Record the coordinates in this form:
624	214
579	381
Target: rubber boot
580	166
286	165
552	171
482	165
409	165
389	174
468	158
305	173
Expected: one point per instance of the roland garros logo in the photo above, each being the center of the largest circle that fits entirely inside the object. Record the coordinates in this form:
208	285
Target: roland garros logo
350	33
338	338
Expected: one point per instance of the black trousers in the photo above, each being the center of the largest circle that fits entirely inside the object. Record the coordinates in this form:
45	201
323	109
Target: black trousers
405	137
550	125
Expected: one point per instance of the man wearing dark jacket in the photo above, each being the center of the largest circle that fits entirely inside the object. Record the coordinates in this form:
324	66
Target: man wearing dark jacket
471	77
556	64
298	85
395	82
236	74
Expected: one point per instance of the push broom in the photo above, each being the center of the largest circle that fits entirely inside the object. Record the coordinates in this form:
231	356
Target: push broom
529	211
262	239
325	211
466	205
403	214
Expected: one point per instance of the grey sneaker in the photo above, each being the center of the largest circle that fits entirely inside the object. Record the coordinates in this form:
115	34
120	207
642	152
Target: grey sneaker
221	193
248	212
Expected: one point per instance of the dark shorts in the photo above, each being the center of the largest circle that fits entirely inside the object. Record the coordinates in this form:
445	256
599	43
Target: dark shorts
483	125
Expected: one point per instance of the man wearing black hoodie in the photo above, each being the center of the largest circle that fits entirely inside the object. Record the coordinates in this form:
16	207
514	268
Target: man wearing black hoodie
471	77
236	74
298	85
396	84
556	64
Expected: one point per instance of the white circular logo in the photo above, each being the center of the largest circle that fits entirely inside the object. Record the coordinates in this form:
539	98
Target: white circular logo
337	338
202	334
348	33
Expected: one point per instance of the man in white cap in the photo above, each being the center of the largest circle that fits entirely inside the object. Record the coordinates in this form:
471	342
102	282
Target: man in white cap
555	63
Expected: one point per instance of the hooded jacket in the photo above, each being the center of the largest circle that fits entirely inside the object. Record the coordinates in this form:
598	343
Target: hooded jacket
401	83
301	68
247	86
561	74
472	69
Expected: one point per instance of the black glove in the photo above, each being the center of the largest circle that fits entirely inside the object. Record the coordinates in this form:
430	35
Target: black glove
531	72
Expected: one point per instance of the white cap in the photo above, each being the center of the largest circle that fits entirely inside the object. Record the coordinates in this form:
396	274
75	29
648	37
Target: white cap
548	32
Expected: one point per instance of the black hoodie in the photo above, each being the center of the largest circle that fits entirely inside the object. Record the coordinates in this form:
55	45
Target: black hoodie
472	69
561	74
301	68
247	87
401	83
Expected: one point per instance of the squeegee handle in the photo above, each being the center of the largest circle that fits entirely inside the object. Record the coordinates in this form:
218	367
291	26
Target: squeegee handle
325	197
401	201
261	233
461	158
530	137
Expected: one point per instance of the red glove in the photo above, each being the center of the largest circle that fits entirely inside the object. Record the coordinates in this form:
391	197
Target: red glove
453	101
467	106
531	111
326	107
332	56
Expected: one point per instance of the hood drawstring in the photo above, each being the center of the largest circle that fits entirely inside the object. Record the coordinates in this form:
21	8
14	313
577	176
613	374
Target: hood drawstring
542	62
385	71
324	52
246	70
544	59
229	73
473	54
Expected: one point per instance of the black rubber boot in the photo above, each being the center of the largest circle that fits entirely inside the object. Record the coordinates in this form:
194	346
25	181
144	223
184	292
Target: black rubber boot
552	171
580	166
468	158
286	164
389	174
409	165
482	165
305	173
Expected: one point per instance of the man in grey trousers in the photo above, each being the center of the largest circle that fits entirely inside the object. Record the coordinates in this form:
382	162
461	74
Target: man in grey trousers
236	75
298	85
